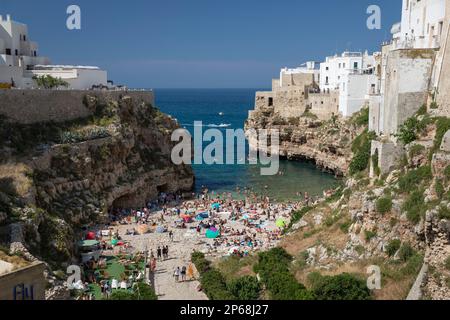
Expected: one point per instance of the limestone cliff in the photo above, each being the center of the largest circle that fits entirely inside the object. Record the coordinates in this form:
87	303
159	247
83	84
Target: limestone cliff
326	142
56	177
397	221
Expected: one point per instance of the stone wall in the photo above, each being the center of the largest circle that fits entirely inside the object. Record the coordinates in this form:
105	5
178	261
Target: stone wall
408	75
389	155
30	279
325	104
35	106
443	68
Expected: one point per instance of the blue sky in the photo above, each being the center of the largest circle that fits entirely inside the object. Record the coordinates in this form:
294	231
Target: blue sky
201	43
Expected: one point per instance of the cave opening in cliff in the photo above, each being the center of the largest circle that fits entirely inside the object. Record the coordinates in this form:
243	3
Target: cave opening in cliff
163	188
125	201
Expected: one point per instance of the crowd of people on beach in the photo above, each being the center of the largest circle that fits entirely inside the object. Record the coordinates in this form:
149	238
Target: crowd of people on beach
223	223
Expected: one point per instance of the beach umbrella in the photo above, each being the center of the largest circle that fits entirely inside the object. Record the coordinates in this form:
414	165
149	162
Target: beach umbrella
114	242
211	234
90	236
215	205
199	218
213	229
280	223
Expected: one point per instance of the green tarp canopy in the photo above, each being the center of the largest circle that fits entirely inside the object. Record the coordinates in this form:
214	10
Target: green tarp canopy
88	243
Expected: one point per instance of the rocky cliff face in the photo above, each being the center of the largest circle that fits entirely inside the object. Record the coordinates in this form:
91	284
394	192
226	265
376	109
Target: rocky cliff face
57	177
397	222
327	143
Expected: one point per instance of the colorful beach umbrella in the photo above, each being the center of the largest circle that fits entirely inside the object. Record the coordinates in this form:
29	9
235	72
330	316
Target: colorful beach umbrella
280	223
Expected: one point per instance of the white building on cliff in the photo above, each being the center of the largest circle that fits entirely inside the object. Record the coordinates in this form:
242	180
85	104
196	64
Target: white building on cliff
20	61
352	74
422	24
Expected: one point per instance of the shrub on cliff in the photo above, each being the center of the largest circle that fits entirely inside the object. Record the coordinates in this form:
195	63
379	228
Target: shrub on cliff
361	118
273	268
245	288
361	149
341	287
392	247
384	205
412	128
214	285
415	206
413	178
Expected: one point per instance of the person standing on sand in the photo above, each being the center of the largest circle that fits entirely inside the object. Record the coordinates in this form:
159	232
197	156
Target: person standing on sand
183	274
171	235
190	272
176	274
159	253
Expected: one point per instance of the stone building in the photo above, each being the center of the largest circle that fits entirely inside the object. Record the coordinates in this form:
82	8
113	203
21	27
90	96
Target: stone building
23	283
289	94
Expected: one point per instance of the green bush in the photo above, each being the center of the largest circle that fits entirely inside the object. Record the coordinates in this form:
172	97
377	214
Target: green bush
273	268
361	149
245	288
214	285
49	82
122	295
416	150
415	206
392	247
411	129
412	179
361	118
439	188
145	292
442	126
341	287
369	235
384	205
406	252
297	215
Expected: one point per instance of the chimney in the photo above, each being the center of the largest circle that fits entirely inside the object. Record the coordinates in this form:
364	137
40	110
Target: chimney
8	17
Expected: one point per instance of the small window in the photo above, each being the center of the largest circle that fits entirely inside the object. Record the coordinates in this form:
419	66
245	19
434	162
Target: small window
8	52
24	38
16	52
270	102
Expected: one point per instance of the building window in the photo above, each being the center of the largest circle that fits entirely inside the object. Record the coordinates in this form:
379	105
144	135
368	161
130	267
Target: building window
24	38
270	102
35	53
16	52
8	52
355	65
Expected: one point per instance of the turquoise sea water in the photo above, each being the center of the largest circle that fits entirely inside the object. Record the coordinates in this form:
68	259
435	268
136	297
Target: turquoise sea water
206	105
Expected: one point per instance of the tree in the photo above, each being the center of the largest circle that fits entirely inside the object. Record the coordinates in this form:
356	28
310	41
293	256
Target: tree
341	287
245	288
49	82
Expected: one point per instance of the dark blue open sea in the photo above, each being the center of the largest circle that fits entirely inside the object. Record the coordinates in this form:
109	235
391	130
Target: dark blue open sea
189	105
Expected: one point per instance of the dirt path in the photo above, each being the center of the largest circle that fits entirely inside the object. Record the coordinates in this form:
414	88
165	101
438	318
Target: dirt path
179	255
